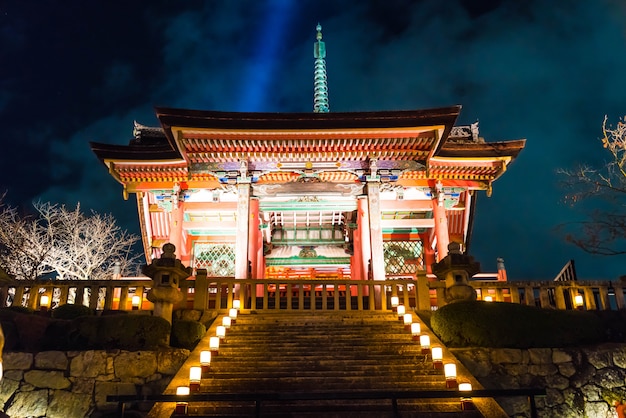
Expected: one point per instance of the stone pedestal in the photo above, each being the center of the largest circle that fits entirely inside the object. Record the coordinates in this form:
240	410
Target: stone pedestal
166	274
456	269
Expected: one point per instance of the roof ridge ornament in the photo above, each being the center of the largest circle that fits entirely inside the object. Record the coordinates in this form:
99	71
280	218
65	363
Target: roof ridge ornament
320	94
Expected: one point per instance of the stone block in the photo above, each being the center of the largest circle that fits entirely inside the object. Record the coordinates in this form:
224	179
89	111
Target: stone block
557	381
29	404
596	409
132	364
7	388
567	369
619	357
560	356
82	385
553	397
65	404
599	358
506	355
610	378
52	379
53	360
542	369
169	361
88	364
540	355
17	361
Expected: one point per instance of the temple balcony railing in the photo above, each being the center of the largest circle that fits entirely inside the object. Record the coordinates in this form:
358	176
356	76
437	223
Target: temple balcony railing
120	294
302	293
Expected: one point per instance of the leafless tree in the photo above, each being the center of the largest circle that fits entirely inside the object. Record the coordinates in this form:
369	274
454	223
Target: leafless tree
63	243
24	246
604	229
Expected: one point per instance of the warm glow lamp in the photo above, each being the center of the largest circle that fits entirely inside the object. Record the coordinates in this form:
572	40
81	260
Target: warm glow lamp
395	301
449	371
488	298
232	313
408	320
195	375
220	331
237	304
466	401
181	406
425	343
205	361
437	354
579	301
44	302
416	330
226	322
401	310
214	345
135	302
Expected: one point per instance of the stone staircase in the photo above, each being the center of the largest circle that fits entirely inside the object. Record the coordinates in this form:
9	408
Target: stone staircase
295	353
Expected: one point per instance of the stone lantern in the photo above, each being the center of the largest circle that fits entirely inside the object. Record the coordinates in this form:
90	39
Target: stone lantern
456	269
166	273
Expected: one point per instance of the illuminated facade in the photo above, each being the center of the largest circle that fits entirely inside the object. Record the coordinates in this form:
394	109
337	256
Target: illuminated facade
367	195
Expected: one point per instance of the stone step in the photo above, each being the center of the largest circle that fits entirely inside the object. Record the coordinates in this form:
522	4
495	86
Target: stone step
305	352
334	408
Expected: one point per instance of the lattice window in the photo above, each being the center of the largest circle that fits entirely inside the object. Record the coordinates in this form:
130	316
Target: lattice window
217	259
403	257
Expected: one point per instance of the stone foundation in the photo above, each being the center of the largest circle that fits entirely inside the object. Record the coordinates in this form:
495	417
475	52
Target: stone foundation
580	382
58	384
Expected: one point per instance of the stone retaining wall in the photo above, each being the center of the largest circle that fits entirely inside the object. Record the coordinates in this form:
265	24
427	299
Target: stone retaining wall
580	382
58	384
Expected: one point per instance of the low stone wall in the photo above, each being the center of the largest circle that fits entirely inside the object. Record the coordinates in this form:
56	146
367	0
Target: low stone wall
58	384
580	382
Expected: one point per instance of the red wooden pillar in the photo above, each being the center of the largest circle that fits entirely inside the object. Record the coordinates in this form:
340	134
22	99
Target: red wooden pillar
364	235
441	223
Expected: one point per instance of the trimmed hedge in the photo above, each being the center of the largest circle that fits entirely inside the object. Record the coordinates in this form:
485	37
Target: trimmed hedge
126	332
501	324
71	311
186	334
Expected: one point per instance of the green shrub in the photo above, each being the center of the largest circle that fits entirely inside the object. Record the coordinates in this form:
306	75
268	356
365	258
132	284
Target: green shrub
71	311
493	324
186	334
126	332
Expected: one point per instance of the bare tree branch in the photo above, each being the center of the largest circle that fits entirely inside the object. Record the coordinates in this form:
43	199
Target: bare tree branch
604	231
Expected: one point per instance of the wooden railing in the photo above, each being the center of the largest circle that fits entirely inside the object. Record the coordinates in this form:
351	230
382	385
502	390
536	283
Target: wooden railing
336	294
97	294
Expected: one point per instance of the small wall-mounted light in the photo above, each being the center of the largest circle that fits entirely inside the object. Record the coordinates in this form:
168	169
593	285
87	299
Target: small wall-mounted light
220	332
401	310
181	406
233	315
226	322
205	361
135	302
44	302
416	330
408	320
437	354
425	343
579	302
466	401
449	371
214	345
395	301
195	375
236	304
488	298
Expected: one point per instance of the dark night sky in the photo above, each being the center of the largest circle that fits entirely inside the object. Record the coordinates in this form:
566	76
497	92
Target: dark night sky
78	71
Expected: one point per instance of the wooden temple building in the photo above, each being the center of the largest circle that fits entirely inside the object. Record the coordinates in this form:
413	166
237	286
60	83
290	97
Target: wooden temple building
365	195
